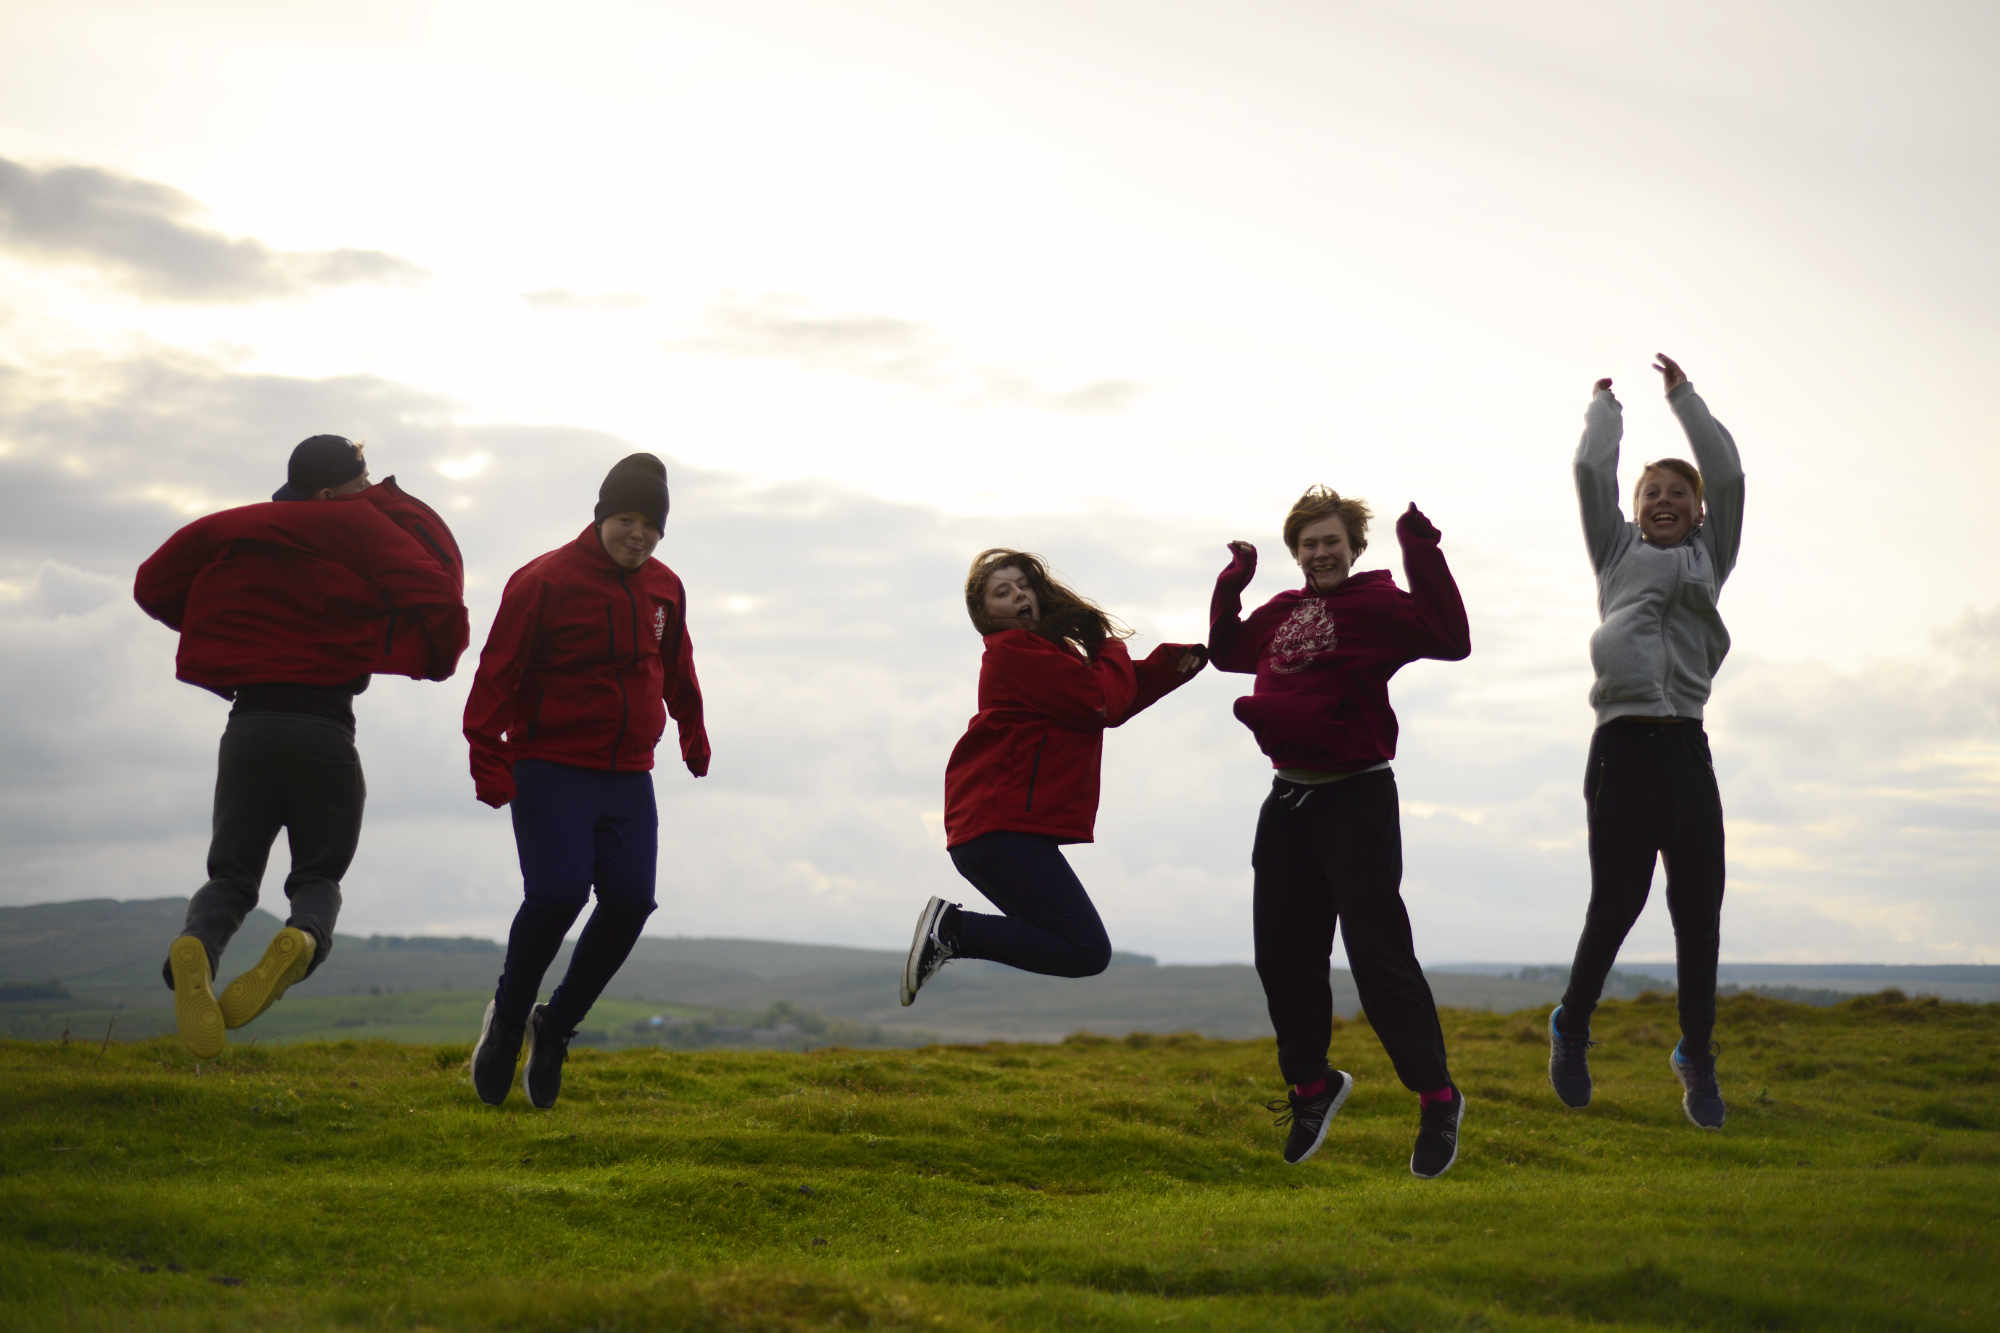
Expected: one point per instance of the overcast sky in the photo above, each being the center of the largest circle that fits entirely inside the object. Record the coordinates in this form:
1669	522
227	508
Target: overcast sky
889	283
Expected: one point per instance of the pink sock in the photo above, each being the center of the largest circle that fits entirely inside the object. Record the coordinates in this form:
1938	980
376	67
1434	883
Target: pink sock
1436	1095
1312	1089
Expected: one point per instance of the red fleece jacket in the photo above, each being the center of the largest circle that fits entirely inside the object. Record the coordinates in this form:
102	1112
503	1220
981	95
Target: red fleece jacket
311	592
1029	759
1323	660
584	664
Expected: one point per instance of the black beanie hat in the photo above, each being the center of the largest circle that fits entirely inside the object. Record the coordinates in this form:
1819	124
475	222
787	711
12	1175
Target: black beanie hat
636	484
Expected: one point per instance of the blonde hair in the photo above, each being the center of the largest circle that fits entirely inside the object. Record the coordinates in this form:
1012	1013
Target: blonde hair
1066	616
1680	467
1320	502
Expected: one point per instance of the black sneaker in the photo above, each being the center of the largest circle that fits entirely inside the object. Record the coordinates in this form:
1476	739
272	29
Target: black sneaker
1569	1063
1309	1116
541	1076
1701	1095
1437	1137
929	950
493	1058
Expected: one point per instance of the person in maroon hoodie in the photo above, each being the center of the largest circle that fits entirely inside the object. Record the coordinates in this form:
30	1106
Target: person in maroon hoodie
588	656
286	609
1329	838
1023	779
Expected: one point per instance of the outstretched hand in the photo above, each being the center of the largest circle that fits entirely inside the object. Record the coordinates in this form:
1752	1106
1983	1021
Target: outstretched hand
1413	526
1242	561
1193	660
1669	371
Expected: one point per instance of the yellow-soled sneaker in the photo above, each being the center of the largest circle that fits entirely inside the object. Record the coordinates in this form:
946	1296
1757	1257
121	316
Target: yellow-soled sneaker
195	1010
285	960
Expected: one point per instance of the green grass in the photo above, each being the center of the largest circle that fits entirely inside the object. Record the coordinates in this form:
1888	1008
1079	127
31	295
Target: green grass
1094	1184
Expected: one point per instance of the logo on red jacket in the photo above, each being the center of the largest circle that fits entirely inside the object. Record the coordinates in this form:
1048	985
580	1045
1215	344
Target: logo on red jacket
659	622
1307	635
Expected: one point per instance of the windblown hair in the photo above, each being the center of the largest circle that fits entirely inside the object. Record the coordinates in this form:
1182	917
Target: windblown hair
1324	502
1066	617
1687	471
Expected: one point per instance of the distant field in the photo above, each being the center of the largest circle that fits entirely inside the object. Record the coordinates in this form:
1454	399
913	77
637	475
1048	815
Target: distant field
1091	1184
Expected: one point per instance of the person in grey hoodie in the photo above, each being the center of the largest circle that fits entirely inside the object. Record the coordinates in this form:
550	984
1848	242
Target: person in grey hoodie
1649	784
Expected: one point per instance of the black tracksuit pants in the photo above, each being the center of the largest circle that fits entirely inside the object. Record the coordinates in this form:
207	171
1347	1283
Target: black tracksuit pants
1332	854
291	771
1649	790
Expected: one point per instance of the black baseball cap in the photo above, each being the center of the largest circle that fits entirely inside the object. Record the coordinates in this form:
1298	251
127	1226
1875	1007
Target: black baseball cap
318	462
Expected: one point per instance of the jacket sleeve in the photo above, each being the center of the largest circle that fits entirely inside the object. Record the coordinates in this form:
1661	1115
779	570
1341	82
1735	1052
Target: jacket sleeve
1158	675
1435	623
1230	648
681	691
1021	671
439	613
1721	477
1605	531
167	577
491	704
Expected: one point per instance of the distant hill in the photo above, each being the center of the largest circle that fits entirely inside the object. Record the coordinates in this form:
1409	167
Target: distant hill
95	965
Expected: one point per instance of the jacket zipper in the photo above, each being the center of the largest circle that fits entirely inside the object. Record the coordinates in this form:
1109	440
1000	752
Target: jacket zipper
1035	769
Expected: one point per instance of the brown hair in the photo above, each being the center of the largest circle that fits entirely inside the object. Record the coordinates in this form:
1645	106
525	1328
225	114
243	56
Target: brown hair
1067	617
1320	502
1685	470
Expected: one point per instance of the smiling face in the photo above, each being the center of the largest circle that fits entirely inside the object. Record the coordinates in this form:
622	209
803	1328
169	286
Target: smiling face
1666	506
1009	600
628	539
1324	553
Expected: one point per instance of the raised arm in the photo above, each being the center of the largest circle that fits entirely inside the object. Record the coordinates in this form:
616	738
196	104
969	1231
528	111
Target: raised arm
1160	673
1438	627
1229	649
163	582
1605	532
1721	469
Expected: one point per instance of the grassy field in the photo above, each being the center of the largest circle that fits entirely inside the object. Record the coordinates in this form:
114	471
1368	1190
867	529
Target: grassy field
1092	1184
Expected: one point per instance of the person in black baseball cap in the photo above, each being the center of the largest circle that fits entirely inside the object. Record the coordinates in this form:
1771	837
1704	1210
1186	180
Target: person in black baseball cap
324	467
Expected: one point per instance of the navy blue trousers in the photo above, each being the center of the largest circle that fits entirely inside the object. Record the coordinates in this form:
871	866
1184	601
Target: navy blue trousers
576	829
1049	924
1649	790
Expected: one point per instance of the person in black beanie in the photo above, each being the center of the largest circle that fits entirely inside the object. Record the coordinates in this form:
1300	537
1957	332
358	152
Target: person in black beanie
588	657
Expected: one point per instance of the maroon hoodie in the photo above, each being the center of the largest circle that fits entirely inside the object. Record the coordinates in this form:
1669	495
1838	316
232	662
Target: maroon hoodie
1323	659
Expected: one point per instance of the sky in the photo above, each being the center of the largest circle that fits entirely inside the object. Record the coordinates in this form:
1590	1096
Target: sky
889	283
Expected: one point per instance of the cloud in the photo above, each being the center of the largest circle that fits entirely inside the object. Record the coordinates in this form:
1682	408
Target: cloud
892	350
555	298
839	670
147	236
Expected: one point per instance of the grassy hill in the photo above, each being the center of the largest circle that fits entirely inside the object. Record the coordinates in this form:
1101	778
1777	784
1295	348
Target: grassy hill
1088	1184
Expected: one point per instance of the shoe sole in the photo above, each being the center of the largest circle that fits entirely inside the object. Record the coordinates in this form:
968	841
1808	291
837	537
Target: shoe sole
285	961
528	1063
927	918
195	1010
1574	1106
1457	1125
1326	1122
486	1030
1686	1109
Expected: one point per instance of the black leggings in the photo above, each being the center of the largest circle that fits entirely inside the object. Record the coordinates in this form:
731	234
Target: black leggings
1050	926
1649	790
1329	854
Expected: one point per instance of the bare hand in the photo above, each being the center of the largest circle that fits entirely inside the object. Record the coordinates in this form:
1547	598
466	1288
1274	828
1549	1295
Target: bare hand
1669	371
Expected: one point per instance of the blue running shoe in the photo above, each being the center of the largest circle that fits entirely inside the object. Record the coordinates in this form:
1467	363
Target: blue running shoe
1569	1063
1701	1095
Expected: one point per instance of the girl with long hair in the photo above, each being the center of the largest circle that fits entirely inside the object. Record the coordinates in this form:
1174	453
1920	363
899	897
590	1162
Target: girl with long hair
1023	780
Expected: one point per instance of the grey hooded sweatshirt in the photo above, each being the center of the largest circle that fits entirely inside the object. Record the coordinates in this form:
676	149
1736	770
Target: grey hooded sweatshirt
1662	638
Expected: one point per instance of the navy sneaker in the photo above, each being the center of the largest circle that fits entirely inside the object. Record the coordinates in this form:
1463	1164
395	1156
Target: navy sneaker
1309	1116
541	1075
1569	1063
929	950
1437	1136
493	1058
1701	1095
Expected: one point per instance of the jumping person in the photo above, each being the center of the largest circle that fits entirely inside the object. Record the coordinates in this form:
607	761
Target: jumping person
1649	784
588	656
287	609
1329	843
1023	780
